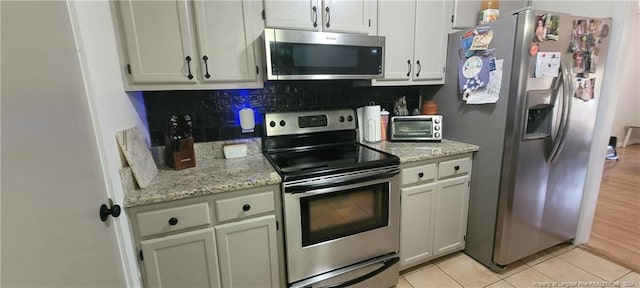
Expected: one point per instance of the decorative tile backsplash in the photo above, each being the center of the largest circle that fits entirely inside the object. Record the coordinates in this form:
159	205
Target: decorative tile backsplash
215	112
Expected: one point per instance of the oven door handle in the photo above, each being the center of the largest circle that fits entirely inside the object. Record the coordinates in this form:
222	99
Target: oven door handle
387	263
301	188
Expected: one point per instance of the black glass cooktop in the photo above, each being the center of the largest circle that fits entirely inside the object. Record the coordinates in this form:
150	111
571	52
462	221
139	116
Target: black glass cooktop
304	163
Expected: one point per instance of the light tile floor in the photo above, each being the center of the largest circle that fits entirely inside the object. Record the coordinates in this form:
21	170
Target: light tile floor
560	266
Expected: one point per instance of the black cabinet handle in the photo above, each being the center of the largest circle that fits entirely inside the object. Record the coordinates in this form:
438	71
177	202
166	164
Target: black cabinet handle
456	168
328	17
420	174
419	68
111	210
409	63
190	76
246	207
315	16
206	67
173	221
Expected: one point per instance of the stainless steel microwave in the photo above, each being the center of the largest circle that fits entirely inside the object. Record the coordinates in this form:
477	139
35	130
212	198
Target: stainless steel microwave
305	55
419	127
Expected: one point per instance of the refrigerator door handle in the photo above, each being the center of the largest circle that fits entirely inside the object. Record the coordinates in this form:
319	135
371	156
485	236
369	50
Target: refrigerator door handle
567	92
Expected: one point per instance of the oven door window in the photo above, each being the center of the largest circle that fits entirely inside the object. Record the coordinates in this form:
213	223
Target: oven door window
346	212
414	128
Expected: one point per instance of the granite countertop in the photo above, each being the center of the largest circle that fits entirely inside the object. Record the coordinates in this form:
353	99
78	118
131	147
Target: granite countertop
208	177
418	151
216	175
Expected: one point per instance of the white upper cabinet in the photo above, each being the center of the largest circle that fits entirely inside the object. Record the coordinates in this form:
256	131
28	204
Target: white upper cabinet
430	52
349	16
225	38
291	14
396	22
164	51
353	16
416	41
159	38
465	13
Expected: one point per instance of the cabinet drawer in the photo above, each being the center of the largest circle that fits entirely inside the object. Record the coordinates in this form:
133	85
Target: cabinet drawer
454	167
173	219
424	173
244	206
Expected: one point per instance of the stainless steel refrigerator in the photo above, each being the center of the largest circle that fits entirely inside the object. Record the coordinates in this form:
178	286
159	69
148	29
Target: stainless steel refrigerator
529	174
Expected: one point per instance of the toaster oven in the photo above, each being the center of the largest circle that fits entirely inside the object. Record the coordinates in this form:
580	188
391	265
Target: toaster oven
419	127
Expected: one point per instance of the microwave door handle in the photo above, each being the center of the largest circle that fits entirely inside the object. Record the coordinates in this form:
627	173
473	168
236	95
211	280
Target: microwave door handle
387	263
295	189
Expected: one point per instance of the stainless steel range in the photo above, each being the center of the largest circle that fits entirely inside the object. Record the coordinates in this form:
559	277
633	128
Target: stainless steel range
341	200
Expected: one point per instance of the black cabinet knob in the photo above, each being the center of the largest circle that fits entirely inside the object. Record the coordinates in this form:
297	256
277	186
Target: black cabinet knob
272	124
456	168
420	174
173	221
111	210
246	207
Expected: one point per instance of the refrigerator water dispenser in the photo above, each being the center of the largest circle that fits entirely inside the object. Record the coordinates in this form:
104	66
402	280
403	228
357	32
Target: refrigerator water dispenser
539	114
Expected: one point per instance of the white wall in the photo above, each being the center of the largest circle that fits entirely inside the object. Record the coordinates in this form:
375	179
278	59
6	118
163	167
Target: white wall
628	97
112	109
622	13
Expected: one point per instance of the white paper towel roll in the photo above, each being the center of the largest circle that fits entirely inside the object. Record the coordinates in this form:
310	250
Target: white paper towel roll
360	115
372	123
247	120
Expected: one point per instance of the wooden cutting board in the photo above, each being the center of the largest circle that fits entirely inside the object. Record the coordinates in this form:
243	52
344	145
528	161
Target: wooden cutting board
134	147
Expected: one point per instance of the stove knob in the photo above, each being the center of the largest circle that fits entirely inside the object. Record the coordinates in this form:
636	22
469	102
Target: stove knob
272	123
341	119
436	120
349	118
436	128
282	123
437	135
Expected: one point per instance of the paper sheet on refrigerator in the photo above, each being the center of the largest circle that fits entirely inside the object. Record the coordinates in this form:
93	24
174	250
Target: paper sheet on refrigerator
490	93
547	64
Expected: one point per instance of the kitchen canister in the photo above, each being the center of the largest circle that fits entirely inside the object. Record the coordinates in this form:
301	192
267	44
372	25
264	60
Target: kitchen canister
429	108
372	123
384	124
247	120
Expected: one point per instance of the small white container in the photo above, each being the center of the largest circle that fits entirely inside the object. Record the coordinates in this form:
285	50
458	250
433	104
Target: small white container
235	150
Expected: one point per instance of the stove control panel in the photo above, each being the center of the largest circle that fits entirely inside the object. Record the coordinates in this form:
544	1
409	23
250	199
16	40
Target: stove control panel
292	123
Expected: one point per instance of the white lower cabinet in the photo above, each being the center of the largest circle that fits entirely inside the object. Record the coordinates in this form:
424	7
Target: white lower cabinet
224	240
248	253
433	219
450	228
183	260
416	241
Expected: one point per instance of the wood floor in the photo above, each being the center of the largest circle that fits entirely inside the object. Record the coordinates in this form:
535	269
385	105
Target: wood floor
616	227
